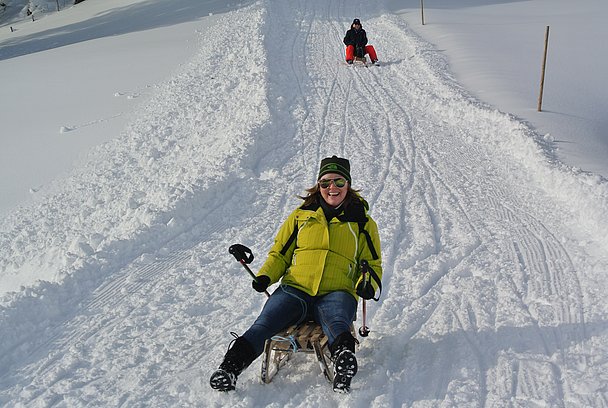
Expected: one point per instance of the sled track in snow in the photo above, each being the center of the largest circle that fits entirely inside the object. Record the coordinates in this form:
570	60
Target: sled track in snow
105	299
408	130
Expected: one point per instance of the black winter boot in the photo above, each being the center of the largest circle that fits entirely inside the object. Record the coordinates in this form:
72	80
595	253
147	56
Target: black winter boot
345	362
237	358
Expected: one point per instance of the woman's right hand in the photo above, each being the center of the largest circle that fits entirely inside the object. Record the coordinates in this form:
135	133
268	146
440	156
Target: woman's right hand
261	283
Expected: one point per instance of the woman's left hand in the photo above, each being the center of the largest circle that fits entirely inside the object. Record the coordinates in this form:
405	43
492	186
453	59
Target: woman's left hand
365	290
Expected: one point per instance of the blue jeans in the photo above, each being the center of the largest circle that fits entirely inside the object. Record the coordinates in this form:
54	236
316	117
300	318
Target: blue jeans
287	306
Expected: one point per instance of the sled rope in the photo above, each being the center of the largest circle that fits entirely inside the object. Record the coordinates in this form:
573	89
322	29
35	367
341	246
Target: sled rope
291	339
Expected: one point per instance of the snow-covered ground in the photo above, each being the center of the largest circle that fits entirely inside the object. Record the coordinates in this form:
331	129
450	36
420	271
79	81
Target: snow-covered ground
496	50
494	251
72	79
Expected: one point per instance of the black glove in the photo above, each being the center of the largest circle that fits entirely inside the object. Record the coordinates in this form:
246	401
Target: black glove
365	290
261	284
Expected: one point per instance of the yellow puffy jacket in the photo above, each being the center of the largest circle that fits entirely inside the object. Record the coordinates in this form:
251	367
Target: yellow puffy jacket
323	257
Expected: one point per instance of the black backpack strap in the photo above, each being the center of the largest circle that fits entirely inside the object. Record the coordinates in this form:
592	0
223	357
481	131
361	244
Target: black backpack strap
377	279
290	241
368	269
368	238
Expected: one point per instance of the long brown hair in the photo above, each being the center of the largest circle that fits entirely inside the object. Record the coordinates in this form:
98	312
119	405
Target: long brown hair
314	195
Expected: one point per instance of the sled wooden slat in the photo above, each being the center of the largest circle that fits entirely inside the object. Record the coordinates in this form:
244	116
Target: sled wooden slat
317	336
304	335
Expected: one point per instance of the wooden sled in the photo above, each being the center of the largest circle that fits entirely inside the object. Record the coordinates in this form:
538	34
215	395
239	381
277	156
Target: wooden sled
360	60
303	338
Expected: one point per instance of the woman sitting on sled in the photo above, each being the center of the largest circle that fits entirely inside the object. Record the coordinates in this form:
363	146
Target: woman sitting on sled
356	43
316	256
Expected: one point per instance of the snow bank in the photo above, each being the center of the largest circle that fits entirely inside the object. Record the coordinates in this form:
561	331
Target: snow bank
142	189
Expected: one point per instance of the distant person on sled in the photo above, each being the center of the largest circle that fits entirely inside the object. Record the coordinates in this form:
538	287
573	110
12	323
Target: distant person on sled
356	43
316	257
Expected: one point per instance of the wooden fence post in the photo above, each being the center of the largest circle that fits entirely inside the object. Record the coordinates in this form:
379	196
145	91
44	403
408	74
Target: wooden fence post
422	10
542	76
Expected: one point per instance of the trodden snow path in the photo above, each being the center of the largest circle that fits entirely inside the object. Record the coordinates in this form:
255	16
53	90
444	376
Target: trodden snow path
494	256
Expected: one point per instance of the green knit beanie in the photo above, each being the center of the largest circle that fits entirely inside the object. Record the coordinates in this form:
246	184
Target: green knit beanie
337	165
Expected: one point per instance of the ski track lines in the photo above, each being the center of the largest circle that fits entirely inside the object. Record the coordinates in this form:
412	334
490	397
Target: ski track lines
481	300
365	90
555	292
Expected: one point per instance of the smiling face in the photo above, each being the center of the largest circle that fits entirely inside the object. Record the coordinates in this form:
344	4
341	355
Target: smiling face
332	194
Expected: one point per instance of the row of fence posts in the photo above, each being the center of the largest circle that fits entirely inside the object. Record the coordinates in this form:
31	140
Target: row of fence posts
544	64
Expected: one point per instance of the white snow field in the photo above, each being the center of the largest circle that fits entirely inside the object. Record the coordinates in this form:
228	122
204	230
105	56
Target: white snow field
118	289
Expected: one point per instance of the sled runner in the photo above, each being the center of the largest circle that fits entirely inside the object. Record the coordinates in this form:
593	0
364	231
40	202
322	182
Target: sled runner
361	62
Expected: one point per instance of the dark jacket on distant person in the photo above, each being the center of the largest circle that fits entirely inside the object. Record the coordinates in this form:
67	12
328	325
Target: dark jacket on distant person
357	38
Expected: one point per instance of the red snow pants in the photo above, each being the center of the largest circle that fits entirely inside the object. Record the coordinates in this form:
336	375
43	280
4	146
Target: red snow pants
369	49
